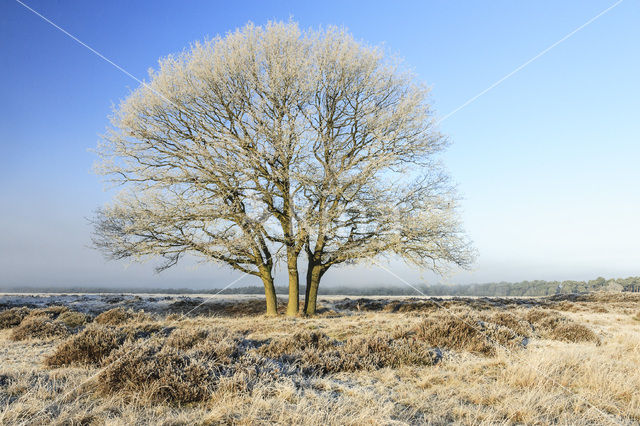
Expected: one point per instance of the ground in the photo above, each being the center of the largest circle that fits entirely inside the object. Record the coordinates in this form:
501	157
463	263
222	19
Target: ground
158	359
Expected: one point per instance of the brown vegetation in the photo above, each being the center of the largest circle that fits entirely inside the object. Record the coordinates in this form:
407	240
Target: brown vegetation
51	312
38	327
73	319
503	364
89	347
12	317
115	316
552	325
463	332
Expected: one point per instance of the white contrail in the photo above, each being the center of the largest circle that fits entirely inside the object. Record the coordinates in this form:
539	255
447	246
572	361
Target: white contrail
494	85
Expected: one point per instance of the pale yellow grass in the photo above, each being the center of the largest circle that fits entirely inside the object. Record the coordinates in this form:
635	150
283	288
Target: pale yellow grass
548	382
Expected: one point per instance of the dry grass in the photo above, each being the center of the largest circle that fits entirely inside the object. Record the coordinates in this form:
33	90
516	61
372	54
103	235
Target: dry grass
552	325
115	316
73	319
38	327
390	362
464	332
51	312
91	346
12	317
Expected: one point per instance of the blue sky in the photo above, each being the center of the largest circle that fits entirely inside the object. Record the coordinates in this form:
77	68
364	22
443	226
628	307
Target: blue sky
546	162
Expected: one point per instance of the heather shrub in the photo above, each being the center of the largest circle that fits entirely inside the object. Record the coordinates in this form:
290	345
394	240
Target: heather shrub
543	318
114	316
573	333
51	312
73	319
38	327
552	325
186	338
161	373
90	346
315	353
144	330
381	350
456	333
297	342
509	320
12	317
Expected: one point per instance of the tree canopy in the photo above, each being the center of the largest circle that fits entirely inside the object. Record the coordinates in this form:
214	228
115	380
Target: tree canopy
253	148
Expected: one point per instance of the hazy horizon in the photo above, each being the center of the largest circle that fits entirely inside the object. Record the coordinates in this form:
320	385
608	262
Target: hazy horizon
546	162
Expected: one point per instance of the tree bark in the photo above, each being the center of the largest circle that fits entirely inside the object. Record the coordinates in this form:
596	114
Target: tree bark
293	306
269	292
314	273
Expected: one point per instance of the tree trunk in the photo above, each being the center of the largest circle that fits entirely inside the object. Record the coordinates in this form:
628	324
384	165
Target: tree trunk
293	305
269	292
314	273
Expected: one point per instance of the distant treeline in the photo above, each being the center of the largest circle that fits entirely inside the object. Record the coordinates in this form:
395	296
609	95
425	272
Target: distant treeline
523	288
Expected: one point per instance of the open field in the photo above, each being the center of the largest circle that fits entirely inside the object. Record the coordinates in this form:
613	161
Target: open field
396	360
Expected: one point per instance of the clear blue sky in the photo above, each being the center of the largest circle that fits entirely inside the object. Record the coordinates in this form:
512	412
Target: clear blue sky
547	162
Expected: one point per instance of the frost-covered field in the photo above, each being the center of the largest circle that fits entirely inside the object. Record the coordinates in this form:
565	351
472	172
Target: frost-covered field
202	359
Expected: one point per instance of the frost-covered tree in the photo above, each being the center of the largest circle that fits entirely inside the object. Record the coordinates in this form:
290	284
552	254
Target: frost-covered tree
373	188
249	149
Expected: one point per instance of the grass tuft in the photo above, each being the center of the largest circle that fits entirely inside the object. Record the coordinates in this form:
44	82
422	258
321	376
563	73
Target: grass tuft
114	316
89	347
38	327
12	317
73	319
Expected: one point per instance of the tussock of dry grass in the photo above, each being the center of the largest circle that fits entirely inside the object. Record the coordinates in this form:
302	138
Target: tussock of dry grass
185	338
574	333
38	327
73	319
552	325
51	312
510	320
114	316
316	353
12	317
466	333
161	373
91	346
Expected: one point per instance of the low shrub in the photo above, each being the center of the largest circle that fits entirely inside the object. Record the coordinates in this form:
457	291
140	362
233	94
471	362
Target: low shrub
297	342
90	346
114	316
509	320
73	319
38	327
144	330
160	372
573	333
456	333
12	317
186	338
552	325
382	350
543	318
51	312
313	352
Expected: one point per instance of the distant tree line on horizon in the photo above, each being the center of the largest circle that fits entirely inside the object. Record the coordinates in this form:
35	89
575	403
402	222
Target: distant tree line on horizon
523	288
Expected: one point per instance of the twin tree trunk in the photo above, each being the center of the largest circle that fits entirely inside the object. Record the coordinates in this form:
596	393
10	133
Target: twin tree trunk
269	292
314	273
